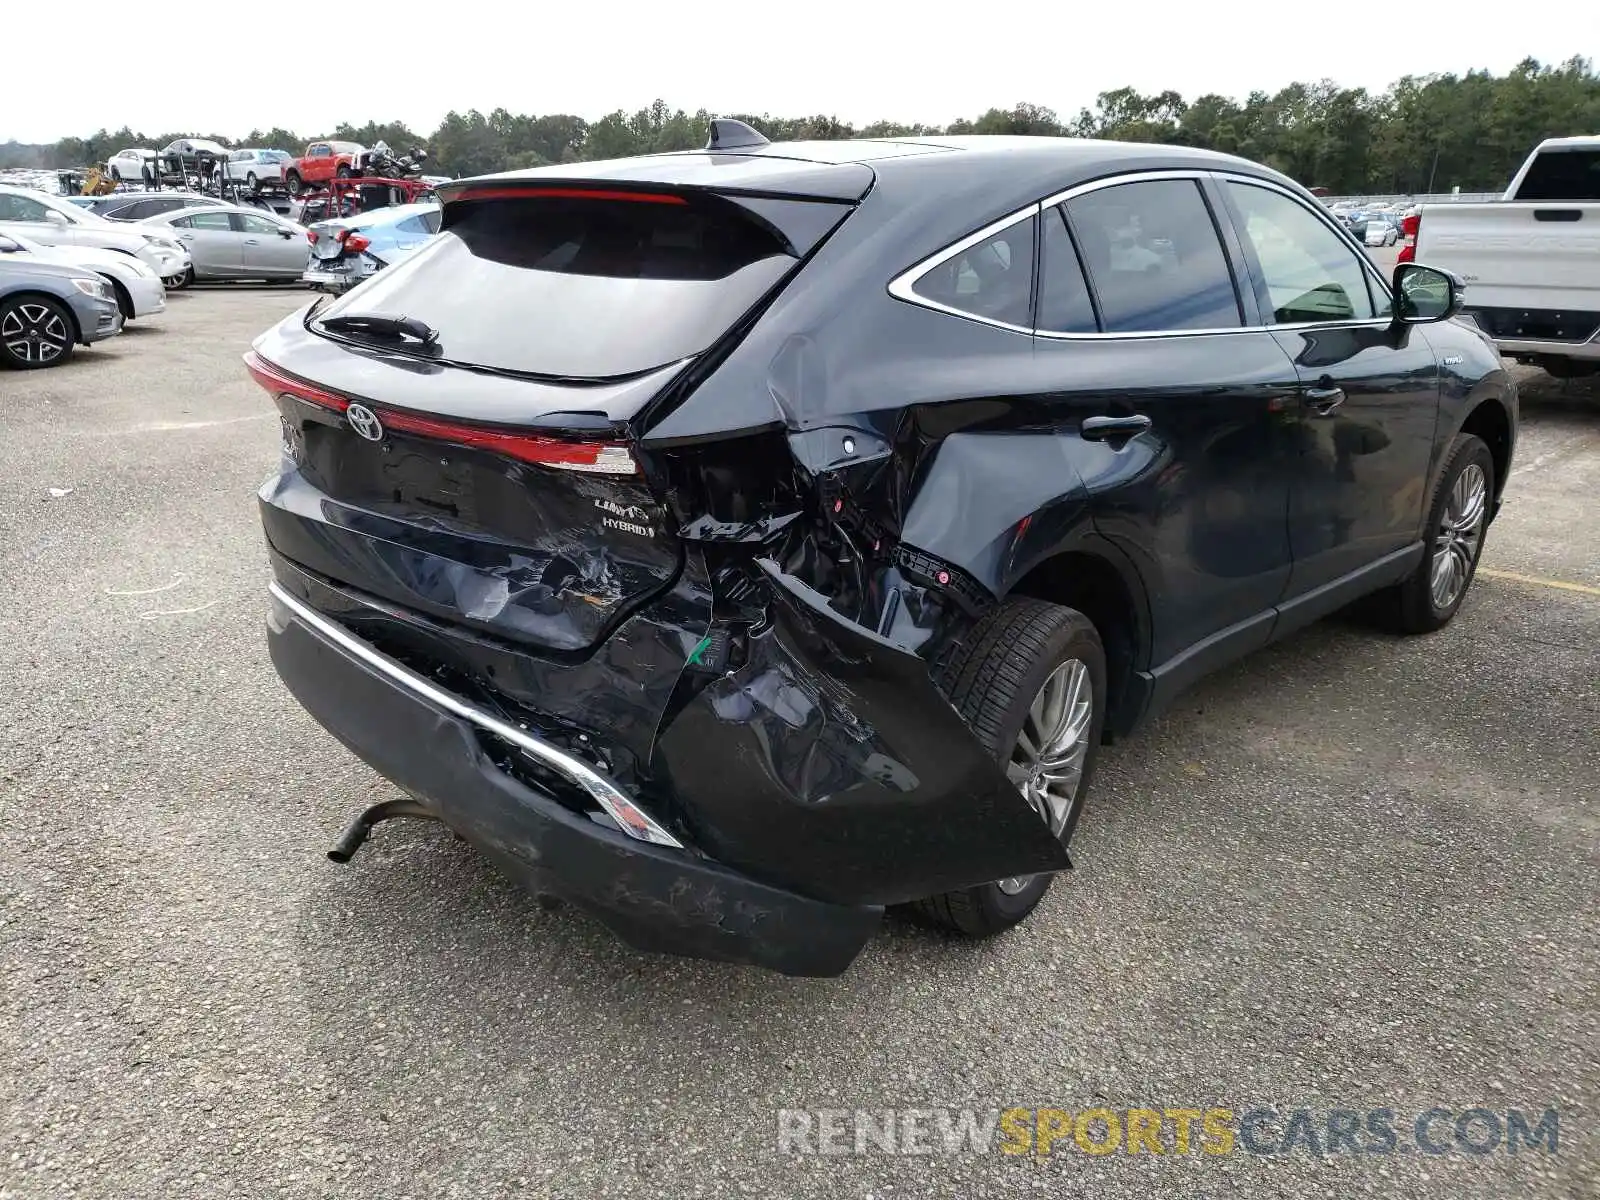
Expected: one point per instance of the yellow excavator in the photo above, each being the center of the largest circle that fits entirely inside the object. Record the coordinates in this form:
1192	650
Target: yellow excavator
97	182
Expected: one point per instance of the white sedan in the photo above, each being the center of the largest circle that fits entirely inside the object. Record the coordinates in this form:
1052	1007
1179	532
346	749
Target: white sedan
133	165
138	288
52	221
1381	231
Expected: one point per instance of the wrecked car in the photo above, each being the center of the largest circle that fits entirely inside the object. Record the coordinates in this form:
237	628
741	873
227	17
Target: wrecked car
737	542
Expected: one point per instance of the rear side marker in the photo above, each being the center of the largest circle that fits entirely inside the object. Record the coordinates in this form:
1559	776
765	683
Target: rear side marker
590	458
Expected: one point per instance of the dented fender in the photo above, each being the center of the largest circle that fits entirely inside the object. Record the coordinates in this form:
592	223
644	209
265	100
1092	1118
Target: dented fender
979	490
829	762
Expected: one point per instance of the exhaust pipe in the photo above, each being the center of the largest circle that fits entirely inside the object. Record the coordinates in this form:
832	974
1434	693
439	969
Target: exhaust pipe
351	839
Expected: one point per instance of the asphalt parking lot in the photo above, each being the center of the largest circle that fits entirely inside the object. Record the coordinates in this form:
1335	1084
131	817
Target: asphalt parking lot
1353	872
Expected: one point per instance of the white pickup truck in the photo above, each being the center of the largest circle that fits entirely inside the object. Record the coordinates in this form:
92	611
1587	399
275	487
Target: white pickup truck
1531	261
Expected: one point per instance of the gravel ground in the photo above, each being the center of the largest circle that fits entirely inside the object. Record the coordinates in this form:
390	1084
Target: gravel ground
1351	872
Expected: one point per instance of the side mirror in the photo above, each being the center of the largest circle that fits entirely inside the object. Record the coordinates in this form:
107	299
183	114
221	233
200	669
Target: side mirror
1424	295
53	217
285	233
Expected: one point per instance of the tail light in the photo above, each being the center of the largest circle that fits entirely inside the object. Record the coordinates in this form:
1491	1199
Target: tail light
355	243
589	458
311	236
1412	227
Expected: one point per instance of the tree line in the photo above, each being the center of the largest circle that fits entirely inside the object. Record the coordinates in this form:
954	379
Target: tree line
1422	134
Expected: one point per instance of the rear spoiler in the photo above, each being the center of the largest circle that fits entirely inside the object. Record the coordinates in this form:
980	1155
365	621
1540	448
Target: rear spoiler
802	215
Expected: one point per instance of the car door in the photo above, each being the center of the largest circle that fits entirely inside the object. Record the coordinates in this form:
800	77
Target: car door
267	252
1177	402
31	218
318	166
1367	407
217	249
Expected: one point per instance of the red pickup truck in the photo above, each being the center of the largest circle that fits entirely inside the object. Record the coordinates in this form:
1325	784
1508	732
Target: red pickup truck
321	162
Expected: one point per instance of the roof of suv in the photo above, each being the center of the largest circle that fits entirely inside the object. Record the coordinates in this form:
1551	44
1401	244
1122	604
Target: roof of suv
846	169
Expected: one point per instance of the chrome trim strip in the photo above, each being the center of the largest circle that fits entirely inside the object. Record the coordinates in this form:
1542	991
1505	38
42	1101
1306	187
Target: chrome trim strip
630	818
901	287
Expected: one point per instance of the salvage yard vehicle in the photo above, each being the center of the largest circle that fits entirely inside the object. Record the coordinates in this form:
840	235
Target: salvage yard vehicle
321	163
136	288
230	241
350	250
47	308
254	167
53	221
1531	259
737	542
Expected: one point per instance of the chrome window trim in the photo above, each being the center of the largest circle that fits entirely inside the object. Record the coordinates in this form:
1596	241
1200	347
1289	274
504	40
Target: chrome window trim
902	285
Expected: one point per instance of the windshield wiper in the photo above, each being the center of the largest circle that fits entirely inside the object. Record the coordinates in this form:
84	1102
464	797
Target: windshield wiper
382	326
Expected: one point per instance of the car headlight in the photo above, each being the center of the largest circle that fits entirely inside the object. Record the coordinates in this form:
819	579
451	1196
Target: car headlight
166	243
98	288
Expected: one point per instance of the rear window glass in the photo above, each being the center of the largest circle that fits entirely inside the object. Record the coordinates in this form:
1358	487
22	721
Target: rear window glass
581	288
1562	175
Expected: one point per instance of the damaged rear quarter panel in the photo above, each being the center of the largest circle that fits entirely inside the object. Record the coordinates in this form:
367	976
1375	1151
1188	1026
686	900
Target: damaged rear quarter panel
830	762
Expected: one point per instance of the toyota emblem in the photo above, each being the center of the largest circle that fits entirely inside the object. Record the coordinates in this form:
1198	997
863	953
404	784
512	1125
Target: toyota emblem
365	422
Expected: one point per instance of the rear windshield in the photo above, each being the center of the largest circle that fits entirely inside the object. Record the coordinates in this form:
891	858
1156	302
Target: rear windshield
1562	175
580	287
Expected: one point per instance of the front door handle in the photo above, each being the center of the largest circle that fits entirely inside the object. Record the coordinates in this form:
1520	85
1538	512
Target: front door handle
251	242
1324	400
1107	429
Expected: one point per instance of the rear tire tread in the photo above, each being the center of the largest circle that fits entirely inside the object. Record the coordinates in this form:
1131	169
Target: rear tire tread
982	683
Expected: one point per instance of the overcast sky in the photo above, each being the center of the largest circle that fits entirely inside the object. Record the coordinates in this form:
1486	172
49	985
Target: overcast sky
860	61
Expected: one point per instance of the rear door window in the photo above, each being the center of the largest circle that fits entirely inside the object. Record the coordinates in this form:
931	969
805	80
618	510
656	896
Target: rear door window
1064	303
1154	257
992	279
582	287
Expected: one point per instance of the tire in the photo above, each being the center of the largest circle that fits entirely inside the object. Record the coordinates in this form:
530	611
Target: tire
343	172
292	181
116	174
1414	605
254	184
35	331
993	679
124	301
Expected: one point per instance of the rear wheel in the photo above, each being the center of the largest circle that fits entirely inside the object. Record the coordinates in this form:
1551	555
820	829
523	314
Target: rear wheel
1458	519
35	331
291	180
254	184
1031	682
343	172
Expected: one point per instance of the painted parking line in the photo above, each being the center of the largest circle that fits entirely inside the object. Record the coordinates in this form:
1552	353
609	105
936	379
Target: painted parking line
1540	581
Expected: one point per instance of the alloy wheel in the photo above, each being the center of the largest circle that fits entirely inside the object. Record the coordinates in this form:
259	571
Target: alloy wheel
1455	547
34	333
1052	746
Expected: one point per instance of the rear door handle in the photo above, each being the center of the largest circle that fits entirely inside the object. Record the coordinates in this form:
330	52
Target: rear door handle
1323	400
1107	429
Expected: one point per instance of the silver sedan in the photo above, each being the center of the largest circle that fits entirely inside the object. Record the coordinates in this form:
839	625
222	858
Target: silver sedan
231	241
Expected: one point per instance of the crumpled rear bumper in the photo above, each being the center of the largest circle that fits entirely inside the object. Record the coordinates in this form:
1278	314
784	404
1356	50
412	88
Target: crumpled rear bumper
656	898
